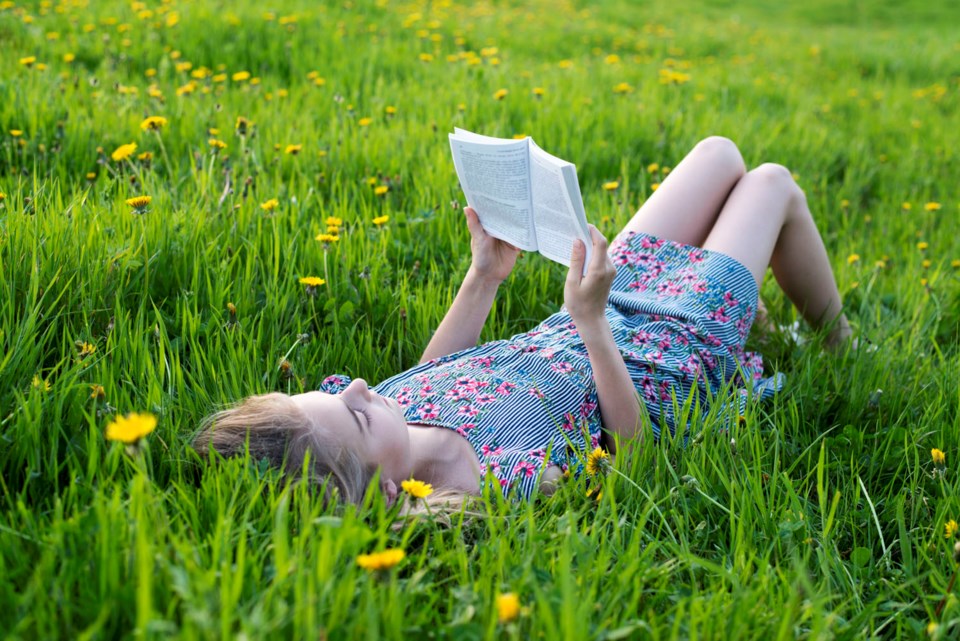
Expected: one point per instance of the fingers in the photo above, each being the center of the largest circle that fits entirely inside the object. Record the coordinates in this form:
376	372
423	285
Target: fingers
577	256
473	222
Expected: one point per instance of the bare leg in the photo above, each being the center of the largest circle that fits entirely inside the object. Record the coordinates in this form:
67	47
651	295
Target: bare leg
686	205
766	221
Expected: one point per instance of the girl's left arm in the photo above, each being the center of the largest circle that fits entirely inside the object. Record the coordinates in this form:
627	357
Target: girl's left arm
462	323
493	260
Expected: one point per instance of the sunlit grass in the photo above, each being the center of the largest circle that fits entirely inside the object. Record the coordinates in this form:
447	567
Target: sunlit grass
822	514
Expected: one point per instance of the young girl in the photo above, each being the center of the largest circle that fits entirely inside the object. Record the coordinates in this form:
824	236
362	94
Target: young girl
662	314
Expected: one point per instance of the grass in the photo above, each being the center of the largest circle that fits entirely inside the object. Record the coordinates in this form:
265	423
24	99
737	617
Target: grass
825	518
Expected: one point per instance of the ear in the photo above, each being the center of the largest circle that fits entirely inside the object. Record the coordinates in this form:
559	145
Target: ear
389	490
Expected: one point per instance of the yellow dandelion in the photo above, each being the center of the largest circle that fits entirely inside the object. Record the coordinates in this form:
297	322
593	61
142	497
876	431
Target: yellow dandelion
417	489
243	125
3	196
500	94
931	206
955	263
597	461
85	349
42	384
381	560
538	91
653	168
380	190
622	88
922	245
312	281
270	205
333	229
16	133
654	186
327	238
390	110
131	428
97	392
950	528
240	76
153	123
612	59
852	258
426	57
216	143
379	221
28	61
508	607
333	221
565	64
91	175
292	150
906	206
123	152
145	156
938	457
364	122
139	203
612	185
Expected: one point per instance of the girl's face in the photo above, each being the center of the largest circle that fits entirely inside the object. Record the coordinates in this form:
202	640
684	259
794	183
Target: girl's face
361	420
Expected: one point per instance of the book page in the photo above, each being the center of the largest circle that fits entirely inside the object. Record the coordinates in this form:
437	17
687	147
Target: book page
494	177
558	214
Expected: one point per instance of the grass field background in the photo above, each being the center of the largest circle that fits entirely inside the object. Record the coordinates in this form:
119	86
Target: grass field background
822	516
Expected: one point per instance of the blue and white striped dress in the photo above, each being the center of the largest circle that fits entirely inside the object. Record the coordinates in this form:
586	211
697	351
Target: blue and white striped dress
680	316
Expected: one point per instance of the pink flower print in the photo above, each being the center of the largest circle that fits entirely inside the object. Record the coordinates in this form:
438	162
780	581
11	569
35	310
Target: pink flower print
587	407
403	400
594	440
457	394
527	468
670	288
530	348
649	388
463	381
719	315
493	466
428	411
729	300
483	399
624	258
712	340
682	340
695	256
464	429
701	287
664	343
426	390
422	378
535	392
562	367
538	454
638	286
547	353
649	243
642	337
665	391
482	361
468	410
505	387
568	422
491	451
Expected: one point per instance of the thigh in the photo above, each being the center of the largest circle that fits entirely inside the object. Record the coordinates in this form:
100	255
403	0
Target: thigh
686	205
749	224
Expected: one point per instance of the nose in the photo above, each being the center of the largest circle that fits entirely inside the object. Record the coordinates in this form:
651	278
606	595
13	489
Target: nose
358	387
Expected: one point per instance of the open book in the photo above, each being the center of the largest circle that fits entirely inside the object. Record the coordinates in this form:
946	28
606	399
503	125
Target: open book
522	194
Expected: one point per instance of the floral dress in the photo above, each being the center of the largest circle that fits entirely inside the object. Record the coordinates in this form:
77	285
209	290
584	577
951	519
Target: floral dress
680	316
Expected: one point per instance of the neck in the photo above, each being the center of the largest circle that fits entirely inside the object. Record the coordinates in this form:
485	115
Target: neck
432	455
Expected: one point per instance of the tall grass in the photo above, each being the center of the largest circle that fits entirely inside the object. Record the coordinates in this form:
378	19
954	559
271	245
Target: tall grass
821	516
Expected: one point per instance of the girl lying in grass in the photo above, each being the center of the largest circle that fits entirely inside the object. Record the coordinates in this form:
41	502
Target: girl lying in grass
661	314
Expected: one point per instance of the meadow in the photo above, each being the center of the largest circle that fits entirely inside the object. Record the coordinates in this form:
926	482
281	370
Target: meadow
829	512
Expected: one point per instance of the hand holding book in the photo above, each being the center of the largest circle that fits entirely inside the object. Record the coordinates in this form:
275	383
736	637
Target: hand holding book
522	194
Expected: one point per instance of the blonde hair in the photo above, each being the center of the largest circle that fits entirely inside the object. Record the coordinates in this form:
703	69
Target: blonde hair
275	429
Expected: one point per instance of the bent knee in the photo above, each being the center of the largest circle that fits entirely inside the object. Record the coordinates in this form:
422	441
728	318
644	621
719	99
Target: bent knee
722	151
776	175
